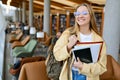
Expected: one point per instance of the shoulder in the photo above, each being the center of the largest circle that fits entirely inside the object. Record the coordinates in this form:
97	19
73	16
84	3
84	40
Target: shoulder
97	37
66	32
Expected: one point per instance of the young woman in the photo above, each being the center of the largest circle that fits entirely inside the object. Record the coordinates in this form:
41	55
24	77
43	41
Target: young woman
85	30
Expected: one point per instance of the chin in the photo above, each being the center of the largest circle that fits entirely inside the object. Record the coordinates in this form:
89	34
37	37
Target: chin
81	24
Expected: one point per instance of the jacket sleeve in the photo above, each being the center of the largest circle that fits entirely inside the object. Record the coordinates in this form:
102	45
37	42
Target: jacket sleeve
60	48
95	69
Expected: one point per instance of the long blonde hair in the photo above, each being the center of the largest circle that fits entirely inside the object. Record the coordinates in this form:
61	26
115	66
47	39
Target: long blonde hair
92	20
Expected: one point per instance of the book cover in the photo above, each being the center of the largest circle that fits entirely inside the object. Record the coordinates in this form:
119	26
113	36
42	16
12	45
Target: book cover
83	54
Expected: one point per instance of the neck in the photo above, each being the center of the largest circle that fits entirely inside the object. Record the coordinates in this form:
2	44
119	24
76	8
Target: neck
85	29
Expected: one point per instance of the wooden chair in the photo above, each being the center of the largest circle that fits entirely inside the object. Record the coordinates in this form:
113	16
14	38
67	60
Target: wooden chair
20	43
24	61
16	38
34	71
113	70
46	40
25	51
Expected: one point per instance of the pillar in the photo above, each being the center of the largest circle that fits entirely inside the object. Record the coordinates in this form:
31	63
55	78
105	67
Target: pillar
23	11
15	16
20	13
31	13
111	30
46	24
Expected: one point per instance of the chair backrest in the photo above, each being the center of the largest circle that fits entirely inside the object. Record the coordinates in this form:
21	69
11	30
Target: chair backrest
26	60
48	41
113	70
30	45
19	35
33	71
44	38
25	40
18	31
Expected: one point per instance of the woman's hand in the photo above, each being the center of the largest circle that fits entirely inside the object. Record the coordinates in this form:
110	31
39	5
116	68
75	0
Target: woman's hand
72	41
78	64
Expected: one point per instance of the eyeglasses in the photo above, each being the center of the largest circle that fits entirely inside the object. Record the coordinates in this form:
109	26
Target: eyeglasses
79	13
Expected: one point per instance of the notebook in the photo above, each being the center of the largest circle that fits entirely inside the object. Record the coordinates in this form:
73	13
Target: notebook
83	54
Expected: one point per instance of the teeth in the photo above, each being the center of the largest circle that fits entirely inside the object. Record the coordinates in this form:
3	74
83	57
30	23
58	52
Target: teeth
80	20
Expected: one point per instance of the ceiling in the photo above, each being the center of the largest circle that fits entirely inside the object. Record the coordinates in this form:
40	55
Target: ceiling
58	5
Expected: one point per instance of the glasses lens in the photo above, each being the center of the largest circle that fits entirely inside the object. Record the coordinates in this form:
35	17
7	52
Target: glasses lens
84	13
76	13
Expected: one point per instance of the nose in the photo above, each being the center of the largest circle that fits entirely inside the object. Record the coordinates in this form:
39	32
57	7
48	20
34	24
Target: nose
81	15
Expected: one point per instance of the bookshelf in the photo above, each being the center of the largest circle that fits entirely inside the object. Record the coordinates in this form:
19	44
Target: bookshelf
72	19
99	21
38	22
53	28
61	21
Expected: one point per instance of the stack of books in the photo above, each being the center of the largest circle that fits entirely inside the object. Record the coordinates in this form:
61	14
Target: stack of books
87	52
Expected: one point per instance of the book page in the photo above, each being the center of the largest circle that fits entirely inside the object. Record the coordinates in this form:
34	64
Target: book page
95	49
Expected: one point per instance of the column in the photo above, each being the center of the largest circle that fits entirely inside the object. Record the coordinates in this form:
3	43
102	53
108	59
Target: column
50	24
30	13
46	24
111	30
23	11
20	13
15	16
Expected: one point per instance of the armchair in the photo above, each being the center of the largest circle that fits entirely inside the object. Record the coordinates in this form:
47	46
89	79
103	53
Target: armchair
23	61
18	37
37	71
34	71
113	70
20	43
47	41
44	38
16	31
25	51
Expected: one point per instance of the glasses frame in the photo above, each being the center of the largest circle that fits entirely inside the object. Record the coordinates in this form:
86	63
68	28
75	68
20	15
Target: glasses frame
79	13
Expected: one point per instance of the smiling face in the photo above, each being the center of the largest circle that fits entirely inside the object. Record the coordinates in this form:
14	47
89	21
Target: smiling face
82	16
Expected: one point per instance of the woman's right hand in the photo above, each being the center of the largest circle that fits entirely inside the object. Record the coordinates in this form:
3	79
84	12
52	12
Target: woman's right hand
71	41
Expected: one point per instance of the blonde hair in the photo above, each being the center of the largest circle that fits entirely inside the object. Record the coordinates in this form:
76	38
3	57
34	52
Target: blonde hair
92	20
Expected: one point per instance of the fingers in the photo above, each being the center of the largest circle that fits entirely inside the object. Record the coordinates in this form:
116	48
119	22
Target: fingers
73	37
71	41
78	64
78	59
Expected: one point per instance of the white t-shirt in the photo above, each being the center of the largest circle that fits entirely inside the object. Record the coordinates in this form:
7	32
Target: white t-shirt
85	38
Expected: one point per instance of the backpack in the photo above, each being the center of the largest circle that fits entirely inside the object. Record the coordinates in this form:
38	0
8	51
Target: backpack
53	66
